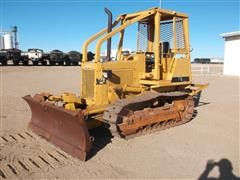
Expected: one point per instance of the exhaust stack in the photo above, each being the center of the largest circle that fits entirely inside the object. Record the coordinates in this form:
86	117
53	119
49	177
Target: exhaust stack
109	41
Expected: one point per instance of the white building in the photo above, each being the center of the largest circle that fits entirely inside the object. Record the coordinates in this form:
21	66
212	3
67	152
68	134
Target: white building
8	41
1	42
113	53
216	60
231	53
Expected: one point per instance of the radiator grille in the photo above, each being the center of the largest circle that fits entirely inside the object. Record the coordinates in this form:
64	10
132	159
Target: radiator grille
88	83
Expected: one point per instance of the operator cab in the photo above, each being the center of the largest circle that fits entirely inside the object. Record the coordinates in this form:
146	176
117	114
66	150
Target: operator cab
161	44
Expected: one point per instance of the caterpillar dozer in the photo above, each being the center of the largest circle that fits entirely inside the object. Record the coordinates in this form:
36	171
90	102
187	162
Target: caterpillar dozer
133	93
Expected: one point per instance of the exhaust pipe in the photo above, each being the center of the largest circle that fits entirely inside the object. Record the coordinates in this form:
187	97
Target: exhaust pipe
109	13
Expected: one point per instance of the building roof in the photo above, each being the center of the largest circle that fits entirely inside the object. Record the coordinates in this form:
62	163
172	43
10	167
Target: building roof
230	34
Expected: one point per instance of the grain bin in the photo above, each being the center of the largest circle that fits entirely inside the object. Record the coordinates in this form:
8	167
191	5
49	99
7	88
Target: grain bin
1	43
8	41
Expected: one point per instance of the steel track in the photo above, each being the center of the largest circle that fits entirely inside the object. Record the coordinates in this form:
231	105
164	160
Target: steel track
123	110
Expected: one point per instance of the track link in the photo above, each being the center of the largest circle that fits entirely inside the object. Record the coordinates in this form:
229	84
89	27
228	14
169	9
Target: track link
148	112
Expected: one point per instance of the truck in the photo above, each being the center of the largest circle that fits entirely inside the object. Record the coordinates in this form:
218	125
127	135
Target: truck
56	57
73	58
35	56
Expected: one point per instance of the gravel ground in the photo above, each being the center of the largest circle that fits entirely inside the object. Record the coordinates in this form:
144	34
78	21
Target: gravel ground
180	152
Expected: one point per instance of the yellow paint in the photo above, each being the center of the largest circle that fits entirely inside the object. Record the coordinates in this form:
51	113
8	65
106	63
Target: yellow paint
103	83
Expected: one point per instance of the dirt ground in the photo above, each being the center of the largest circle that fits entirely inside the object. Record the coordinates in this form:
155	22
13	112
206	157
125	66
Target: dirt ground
180	152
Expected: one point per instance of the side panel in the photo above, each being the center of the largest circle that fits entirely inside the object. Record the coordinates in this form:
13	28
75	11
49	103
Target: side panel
121	77
181	68
126	72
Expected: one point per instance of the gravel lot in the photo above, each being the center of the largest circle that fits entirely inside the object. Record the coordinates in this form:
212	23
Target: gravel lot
180	152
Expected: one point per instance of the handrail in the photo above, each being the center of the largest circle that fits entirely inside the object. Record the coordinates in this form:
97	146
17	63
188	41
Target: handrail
120	28
95	36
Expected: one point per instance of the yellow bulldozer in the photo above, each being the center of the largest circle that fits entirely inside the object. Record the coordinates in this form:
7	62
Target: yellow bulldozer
133	93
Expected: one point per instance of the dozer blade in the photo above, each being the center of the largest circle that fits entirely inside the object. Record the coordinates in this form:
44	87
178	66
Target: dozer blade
64	128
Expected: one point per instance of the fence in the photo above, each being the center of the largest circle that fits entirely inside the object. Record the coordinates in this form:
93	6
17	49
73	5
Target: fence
207	68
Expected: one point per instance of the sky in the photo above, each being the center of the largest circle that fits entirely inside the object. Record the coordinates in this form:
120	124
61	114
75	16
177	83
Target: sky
65	25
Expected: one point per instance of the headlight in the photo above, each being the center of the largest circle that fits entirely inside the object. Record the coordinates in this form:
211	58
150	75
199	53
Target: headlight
105	74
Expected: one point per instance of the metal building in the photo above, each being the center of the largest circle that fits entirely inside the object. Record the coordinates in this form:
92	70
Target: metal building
8	41
1	42
231	53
